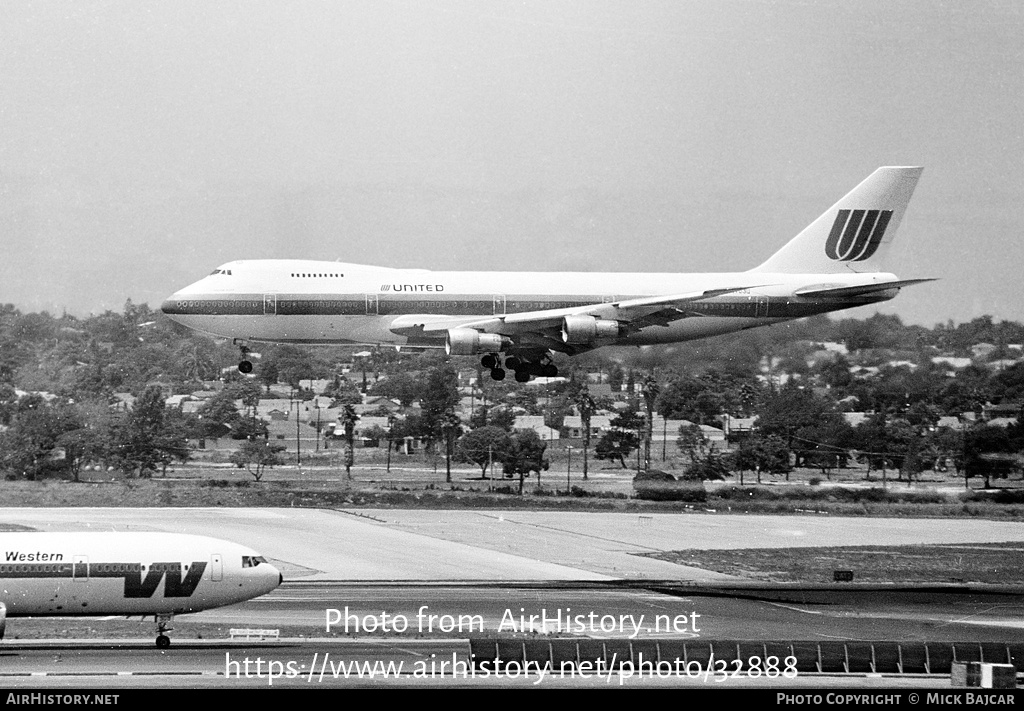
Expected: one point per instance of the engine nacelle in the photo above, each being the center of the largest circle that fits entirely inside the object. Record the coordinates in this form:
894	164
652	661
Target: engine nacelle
587	329
468	341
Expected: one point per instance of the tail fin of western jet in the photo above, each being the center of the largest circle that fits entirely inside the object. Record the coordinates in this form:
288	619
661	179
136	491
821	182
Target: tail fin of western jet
854	234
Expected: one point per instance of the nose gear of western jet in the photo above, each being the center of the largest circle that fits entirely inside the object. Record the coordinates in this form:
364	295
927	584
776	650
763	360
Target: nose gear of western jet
163	622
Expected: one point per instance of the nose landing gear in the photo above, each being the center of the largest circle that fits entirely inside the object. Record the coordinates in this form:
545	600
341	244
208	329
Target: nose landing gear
163	625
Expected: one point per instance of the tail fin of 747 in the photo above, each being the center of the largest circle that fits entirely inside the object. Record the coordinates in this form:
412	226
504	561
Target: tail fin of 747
854	234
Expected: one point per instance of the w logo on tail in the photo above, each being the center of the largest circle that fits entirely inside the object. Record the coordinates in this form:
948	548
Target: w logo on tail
856	234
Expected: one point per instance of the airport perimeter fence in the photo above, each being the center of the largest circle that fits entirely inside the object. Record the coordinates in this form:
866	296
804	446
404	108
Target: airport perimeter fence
832	657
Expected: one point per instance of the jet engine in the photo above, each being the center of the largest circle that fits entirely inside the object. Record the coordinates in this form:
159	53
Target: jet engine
468	341
587	329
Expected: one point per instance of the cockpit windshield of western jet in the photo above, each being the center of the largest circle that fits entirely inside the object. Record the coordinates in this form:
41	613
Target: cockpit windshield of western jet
517	320
155	575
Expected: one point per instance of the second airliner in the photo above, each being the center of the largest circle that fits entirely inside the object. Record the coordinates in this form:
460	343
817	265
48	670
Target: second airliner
517	320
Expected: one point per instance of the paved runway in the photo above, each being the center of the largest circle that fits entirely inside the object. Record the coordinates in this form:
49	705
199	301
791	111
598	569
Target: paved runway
332	664
385	544
451	550
310	657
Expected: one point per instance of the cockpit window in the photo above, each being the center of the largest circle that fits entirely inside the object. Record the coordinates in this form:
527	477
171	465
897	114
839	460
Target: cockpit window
221	271
251	561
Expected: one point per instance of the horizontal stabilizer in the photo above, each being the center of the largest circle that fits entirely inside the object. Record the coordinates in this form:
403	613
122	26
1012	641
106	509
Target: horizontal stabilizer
861	289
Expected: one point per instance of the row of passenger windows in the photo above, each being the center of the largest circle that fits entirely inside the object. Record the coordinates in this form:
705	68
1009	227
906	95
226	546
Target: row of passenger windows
103	567
217	303
727	307
36	568
318	275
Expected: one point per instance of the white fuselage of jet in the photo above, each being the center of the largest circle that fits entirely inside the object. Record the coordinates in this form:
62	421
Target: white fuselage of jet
300	301
106	573
518	319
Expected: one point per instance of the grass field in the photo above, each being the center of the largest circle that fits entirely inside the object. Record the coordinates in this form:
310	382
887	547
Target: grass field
991	563
415	483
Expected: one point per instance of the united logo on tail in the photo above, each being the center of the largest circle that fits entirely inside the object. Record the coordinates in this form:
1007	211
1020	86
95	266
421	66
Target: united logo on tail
856	234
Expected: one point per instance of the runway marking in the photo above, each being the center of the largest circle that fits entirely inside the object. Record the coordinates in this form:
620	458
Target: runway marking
360	515
111	673
972	618
410	652
574	533
793	608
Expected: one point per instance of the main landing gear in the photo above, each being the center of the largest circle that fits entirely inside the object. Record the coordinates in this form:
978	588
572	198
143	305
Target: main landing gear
245	365
492	361
523	369
163	625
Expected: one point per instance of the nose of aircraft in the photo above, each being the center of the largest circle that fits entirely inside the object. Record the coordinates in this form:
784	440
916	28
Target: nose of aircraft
170	305
271	576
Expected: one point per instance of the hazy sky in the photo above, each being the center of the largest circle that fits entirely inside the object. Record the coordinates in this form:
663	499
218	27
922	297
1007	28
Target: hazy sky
144	143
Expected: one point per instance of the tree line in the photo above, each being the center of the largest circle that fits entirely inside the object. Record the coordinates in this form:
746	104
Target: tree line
888	370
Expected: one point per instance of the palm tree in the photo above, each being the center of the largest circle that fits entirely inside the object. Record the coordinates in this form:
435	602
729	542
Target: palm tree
650	391
586	405
348	421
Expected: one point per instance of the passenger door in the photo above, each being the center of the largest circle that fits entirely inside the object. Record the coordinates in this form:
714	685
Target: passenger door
270	304
80	568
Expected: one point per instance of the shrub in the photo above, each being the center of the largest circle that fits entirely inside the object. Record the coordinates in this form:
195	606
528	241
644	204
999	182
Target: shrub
743	493
998	496
671	491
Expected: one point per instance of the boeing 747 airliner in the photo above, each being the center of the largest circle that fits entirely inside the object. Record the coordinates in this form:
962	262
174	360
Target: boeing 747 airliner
516	320
158	574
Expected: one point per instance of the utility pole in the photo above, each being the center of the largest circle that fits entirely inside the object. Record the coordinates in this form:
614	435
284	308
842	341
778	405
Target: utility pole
295	403
650	391
638	451
568	469
450	426
391	438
